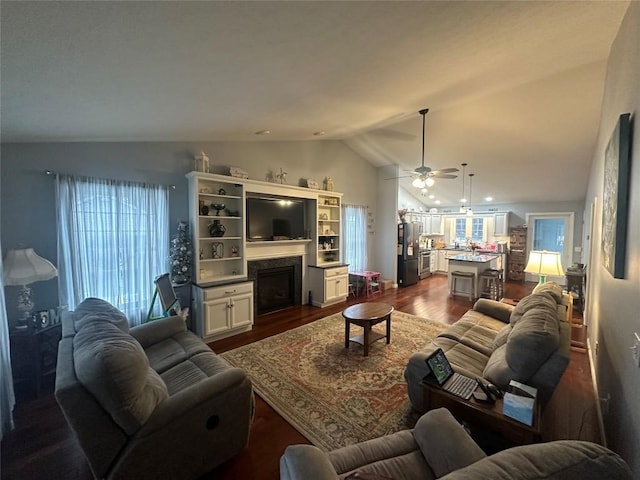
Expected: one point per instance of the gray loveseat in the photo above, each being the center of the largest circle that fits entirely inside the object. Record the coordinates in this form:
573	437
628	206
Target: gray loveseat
529	343
439	447
152	401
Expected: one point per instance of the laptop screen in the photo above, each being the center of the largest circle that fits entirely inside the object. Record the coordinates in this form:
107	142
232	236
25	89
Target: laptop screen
439	366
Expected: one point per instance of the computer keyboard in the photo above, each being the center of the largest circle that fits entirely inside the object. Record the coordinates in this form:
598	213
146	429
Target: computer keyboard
461	386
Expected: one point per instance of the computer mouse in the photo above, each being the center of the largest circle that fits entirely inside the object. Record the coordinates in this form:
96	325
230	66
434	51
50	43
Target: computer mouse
494	390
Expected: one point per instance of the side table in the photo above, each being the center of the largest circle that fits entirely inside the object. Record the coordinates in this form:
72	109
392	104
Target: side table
483	415
34	356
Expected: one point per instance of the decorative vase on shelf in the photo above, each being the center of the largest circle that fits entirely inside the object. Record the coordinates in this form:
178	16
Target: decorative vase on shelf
216	229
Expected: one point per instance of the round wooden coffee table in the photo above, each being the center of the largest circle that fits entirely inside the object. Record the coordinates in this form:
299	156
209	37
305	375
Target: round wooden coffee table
366	315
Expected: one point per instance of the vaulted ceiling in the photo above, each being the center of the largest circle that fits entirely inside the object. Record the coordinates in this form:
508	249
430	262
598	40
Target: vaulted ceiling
514	88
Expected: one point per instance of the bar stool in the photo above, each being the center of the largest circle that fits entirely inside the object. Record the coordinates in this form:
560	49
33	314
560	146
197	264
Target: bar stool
463	277
490	286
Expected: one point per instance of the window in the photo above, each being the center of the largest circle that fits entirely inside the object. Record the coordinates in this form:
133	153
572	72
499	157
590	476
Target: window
113	240
354	233
470	228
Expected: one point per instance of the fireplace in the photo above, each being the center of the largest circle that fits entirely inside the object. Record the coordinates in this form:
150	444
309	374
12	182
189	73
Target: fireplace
277	283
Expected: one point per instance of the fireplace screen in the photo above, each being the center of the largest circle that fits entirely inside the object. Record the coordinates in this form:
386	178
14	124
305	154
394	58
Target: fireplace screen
275	289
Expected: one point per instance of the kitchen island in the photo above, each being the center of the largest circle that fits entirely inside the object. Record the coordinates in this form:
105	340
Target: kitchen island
468	262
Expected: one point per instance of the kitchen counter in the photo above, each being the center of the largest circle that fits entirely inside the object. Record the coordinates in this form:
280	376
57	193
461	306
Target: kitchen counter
467	262
469	257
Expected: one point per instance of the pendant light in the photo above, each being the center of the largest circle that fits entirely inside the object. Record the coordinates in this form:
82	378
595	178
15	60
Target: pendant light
469	210
463	200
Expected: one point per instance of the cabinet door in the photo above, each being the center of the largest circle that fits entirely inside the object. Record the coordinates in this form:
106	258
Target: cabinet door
241	310
426	223
501	224
217	317
435	224
336	287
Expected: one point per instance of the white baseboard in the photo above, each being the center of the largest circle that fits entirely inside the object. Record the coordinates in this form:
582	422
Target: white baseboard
596	391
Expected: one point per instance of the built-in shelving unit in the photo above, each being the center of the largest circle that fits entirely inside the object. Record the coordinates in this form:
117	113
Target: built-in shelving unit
327	229
217	259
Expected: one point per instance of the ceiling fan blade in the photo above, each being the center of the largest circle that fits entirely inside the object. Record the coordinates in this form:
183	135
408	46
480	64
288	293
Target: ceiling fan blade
442	175
396	178
446	170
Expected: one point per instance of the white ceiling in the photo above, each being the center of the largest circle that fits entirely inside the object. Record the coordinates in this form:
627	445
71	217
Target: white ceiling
514	88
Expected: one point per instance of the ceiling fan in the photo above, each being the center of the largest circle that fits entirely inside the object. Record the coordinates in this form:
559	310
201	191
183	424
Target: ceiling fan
424	175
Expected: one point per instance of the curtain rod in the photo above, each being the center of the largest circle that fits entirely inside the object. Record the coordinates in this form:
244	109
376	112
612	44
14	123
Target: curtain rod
51	172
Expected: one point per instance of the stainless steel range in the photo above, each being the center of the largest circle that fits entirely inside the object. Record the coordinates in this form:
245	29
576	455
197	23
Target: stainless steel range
424	264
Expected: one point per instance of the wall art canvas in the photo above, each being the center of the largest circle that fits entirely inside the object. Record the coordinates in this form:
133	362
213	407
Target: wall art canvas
615	201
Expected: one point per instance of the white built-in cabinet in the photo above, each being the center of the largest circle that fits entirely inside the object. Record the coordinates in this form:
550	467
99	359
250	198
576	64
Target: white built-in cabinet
328	285
217	259
223	311
326	232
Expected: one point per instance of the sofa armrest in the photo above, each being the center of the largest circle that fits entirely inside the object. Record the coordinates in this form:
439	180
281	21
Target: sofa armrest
303	462
444	443
498	310
157	330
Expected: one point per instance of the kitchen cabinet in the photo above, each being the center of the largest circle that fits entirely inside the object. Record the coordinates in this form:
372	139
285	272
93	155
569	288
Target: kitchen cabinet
436	225
501	224
328	285
223	311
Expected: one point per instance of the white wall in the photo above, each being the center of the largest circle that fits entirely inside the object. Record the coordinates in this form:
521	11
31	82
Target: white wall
613	305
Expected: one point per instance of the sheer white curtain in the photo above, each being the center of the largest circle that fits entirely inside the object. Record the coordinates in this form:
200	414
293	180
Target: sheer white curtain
7	397
113	240
354	234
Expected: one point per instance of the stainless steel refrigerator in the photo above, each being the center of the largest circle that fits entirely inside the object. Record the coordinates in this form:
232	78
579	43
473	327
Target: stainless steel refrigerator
408	254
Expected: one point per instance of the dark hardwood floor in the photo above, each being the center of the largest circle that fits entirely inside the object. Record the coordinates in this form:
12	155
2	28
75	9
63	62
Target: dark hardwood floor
42	445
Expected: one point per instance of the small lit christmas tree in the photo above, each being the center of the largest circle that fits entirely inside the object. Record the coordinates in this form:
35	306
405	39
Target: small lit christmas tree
180	255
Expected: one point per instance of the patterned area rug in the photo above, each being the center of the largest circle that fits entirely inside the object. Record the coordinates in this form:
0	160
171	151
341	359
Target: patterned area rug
333	396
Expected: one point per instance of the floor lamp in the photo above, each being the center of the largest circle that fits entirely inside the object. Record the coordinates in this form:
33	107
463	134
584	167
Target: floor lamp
543	263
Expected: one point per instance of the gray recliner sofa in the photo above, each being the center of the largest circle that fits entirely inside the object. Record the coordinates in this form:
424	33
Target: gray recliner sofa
149	402
529	343
439	447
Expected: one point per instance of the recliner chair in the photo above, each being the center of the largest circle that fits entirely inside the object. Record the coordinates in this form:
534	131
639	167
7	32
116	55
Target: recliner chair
153	402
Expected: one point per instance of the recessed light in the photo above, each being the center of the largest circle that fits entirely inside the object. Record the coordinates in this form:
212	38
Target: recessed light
437	202
320	133
488	199
263	132
432	196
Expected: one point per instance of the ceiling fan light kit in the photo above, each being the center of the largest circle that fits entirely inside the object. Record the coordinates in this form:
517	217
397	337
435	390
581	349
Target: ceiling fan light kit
425	176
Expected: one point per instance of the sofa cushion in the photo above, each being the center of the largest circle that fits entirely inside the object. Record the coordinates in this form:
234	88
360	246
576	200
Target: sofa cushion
472	335
533	338
171	351
96	309
193	370
551	288
502	336
557	460
543	299
112	365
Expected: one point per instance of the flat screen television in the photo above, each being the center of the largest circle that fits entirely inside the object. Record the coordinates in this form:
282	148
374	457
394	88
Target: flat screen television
275	218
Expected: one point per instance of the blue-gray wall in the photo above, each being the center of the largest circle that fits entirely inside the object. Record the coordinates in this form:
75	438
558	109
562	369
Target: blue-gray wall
28	213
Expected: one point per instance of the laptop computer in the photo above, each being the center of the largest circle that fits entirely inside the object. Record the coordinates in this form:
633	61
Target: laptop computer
452	382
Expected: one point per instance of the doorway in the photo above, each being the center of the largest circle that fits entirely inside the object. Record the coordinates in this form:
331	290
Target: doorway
552	232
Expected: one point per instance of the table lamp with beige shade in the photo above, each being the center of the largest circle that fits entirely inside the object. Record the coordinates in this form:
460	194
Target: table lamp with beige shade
544	263
22	267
